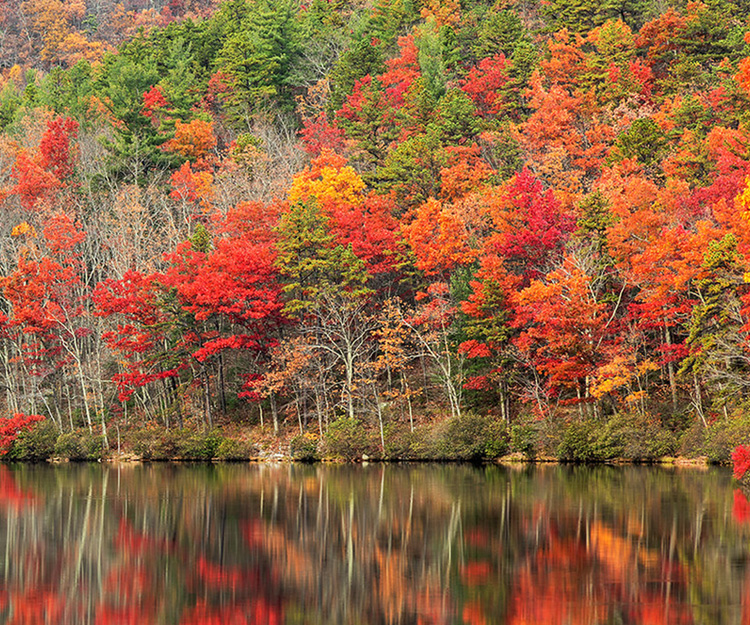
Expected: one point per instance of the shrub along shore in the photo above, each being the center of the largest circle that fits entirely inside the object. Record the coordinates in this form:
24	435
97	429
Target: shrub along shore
469	438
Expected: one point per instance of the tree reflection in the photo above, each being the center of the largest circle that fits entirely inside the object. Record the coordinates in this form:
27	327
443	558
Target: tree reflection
426	545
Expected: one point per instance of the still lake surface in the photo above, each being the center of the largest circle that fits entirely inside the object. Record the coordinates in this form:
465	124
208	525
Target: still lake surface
397	544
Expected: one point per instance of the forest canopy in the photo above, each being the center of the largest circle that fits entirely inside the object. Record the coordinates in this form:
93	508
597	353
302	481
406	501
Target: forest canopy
381	210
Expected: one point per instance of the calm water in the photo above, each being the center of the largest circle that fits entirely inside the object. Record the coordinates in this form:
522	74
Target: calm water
427	544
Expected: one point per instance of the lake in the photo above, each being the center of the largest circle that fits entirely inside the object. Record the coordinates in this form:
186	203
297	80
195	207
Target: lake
420	544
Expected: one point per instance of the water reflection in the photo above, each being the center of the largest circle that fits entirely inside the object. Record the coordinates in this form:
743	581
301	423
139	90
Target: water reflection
423	545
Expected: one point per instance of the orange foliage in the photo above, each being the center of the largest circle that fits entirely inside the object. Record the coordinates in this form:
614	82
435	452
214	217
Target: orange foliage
437	238
445	12
466	172
194	140
193	186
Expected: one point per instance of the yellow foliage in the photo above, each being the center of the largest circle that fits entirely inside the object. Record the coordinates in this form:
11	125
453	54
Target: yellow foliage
328	180
646	366
24	228
612	376
15	74
75	47
48	21
635	397
743	201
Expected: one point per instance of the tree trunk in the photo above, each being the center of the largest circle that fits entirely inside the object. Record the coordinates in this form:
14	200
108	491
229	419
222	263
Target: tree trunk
670	368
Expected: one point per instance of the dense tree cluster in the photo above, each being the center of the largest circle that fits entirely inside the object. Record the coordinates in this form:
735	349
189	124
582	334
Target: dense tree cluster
293	211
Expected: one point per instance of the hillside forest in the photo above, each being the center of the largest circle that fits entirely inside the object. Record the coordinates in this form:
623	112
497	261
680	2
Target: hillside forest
380	215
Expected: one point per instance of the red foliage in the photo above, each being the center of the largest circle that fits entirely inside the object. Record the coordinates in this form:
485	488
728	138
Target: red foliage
55	148
536	226
34	184
10	428
45	292
370	229
474	349
153	100
319	134
740	461
485	84
662	35
192	185
563	326
237	279
259	611
402	72
133	542
465	173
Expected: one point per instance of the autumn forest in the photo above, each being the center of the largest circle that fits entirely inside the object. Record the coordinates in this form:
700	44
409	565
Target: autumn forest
398	228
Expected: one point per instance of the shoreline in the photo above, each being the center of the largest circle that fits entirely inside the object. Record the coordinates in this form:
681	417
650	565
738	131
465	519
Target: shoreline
510	461
476	439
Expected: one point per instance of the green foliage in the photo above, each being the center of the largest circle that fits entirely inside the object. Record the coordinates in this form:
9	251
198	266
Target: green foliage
592	237
372	128
585	15
348	439
587	441
471	437
361	59
504	153
314	268
325	30
10	103
716	441
80	445
639	438
454	119
153	442
200	240
412	169
304	447
401	443
135	147
198	445
178	80
644	141
430	56
712	331
501	31
623	436
523	440
69	91
235	449
258	57
36	444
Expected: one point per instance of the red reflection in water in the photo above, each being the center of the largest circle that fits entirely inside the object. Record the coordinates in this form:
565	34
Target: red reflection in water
219	561
741	507
473	614
255	613
215	575
34	606
131	615
475	573
10	493
135	542
591	577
